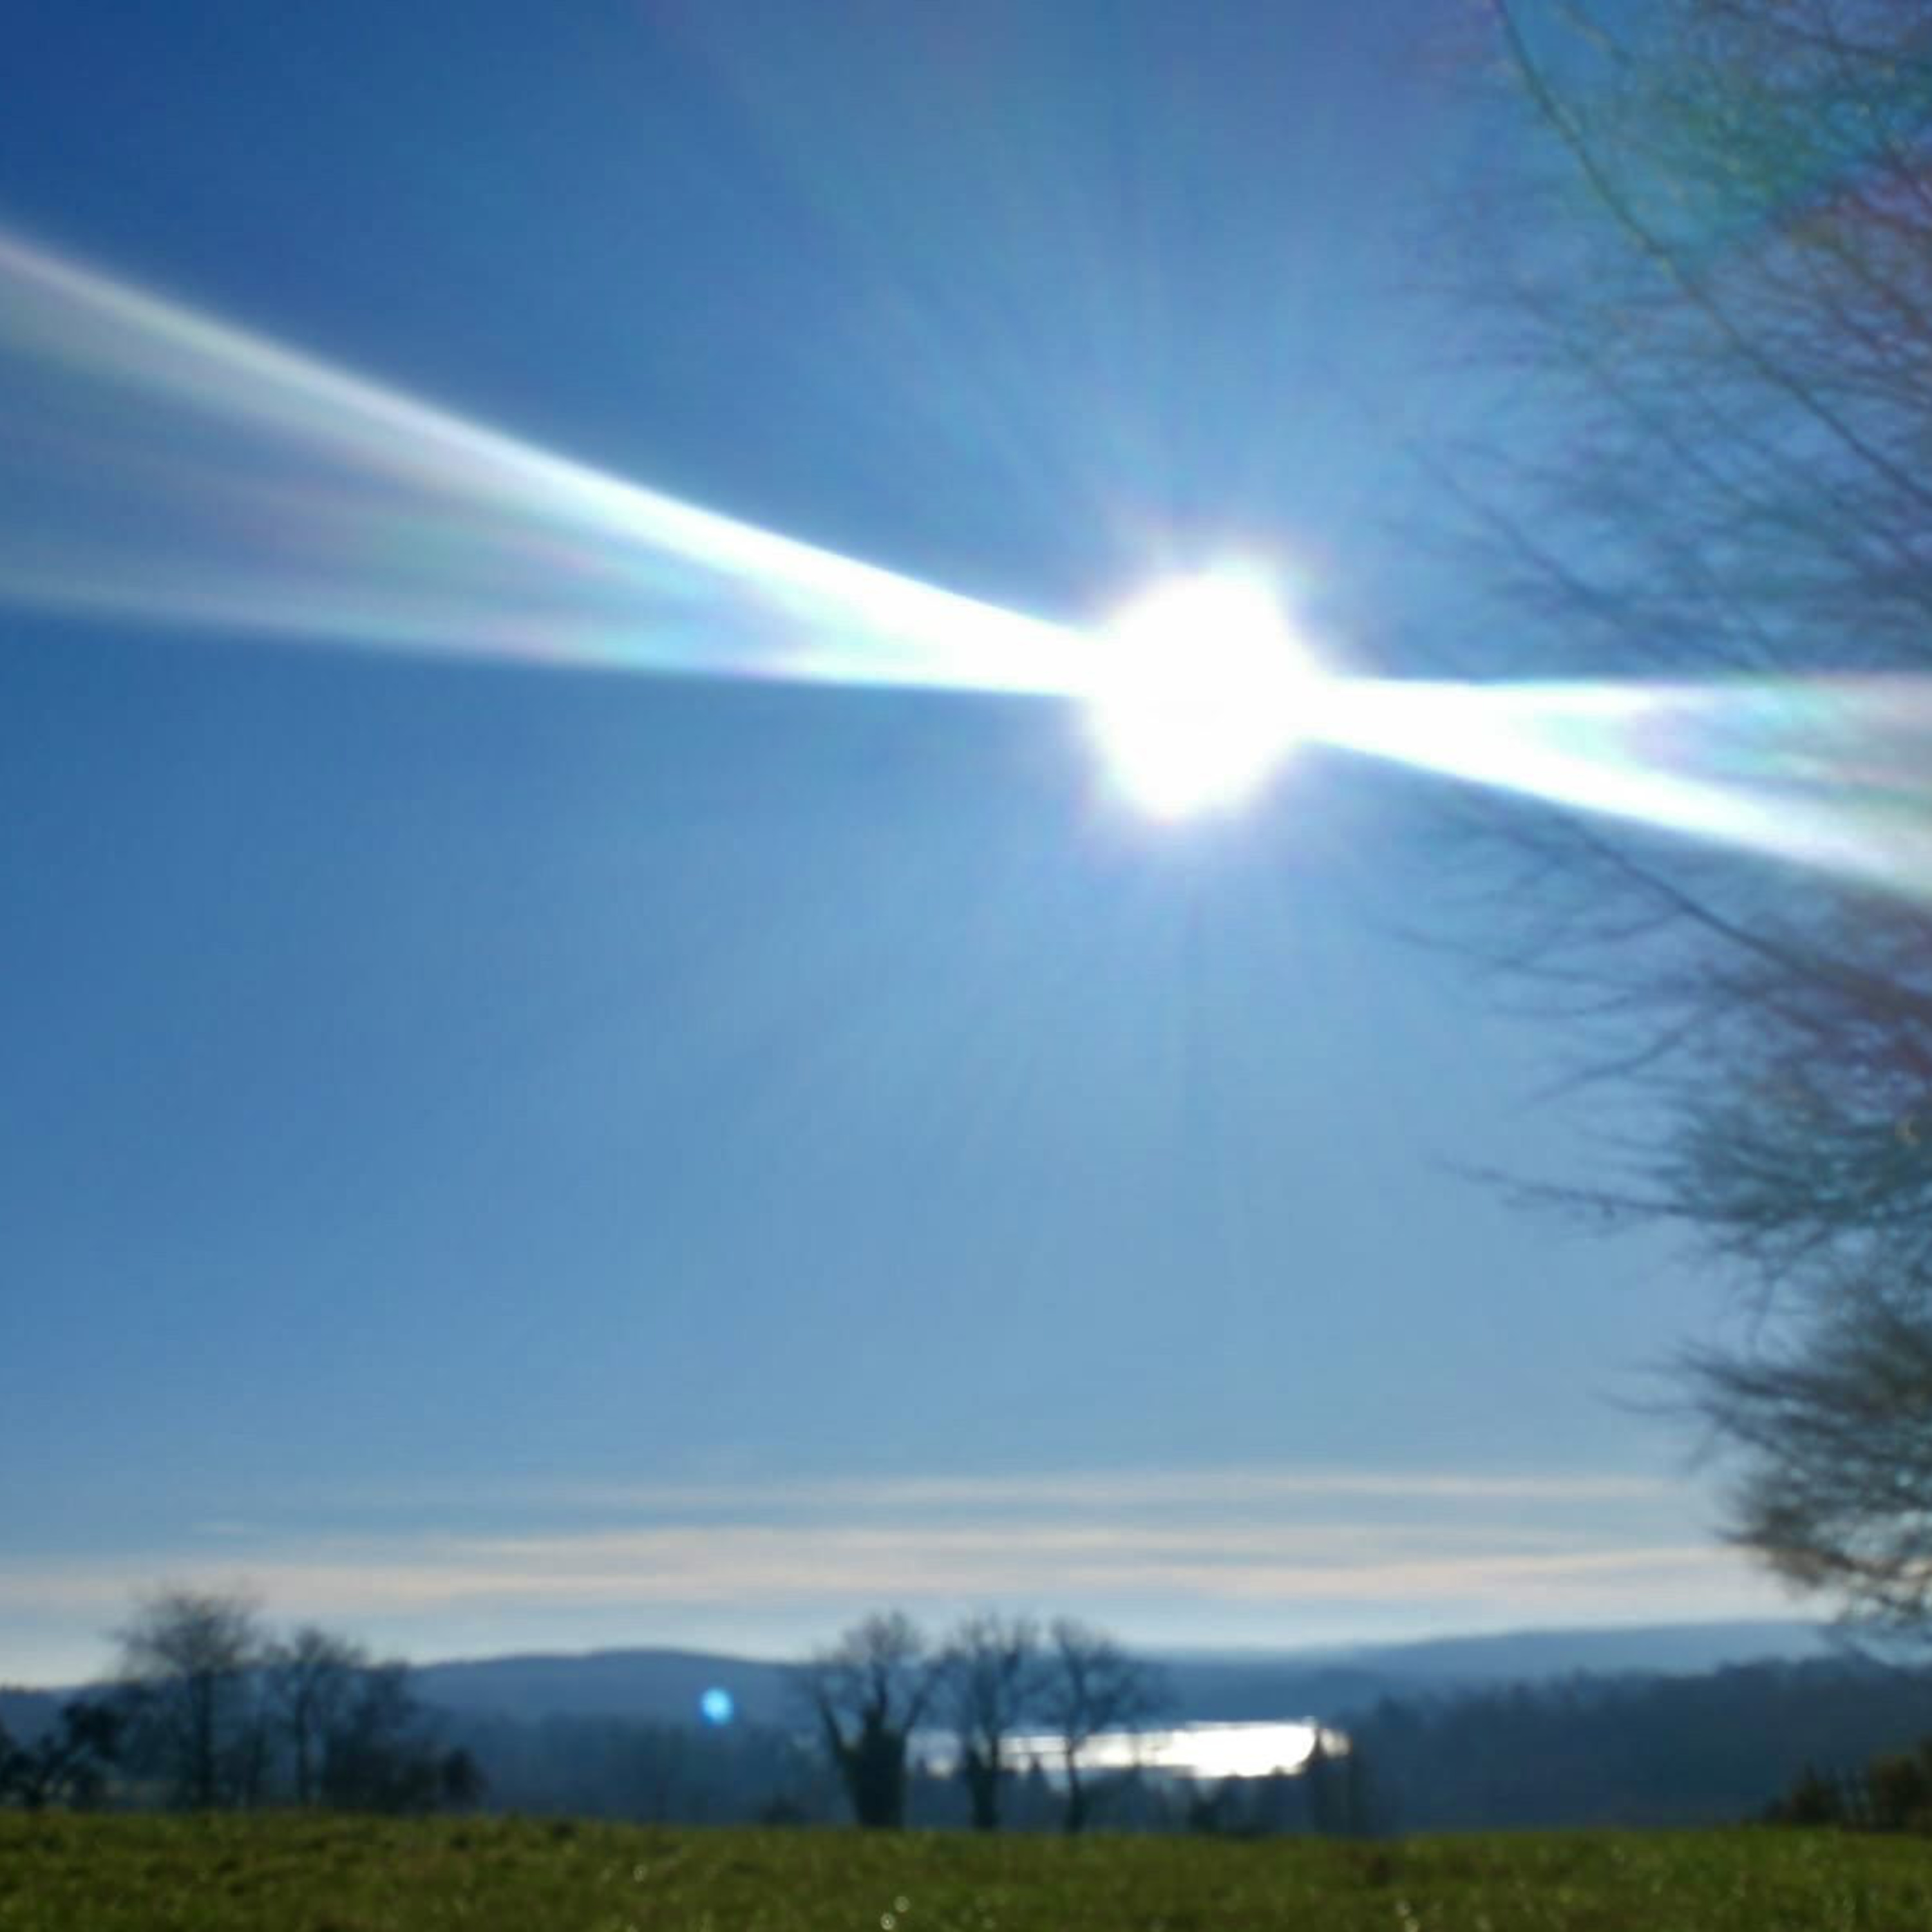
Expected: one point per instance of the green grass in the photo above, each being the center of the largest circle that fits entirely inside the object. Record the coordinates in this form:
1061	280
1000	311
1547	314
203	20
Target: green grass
295	1874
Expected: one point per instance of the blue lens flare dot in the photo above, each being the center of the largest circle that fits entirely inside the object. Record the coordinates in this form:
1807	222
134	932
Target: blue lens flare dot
717	1706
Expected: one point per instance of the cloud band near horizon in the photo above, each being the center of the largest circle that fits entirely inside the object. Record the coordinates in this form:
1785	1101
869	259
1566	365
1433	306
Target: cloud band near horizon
1241	1556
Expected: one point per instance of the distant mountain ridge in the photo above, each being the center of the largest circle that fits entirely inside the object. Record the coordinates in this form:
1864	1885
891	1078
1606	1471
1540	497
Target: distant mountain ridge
664	1686
1526	1655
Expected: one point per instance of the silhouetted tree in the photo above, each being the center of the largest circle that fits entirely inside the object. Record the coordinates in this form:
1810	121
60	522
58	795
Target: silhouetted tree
1710	282
1893	1793
1361	1815
379	1752
312	1681
1334	1782
1900	1789
1322	1783
1034	1805
460	1779
868	1692
1089	1684
991	1676
69	1764
1812	1800
191	1656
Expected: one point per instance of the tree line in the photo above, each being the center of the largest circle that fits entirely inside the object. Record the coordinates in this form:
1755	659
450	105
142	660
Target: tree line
1632	1751
208	1709
992	1679
992	1726
1891	1793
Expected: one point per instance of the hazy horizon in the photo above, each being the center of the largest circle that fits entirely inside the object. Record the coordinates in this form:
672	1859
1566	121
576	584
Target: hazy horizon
1367	1558
1340	1653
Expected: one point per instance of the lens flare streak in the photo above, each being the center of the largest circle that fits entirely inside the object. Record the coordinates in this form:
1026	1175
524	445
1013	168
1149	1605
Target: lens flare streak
1834	773
159	465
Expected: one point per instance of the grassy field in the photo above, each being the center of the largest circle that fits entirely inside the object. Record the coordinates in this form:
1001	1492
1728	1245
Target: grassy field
296	1874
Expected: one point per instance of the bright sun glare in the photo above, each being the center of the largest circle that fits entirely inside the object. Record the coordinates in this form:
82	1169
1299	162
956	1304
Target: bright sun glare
1205	689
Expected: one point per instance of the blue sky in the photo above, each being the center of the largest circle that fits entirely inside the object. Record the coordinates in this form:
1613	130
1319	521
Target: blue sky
502	1154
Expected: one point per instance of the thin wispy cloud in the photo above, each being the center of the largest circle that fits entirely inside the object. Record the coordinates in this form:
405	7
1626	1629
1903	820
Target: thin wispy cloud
1143	1489
1228	1487
729	1564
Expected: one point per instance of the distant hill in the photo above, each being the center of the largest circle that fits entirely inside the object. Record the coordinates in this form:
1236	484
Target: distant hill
664	1686
1208	1685
1673	1649
1329	1683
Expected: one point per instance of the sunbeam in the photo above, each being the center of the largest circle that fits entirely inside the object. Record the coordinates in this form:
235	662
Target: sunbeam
160	465
1834	773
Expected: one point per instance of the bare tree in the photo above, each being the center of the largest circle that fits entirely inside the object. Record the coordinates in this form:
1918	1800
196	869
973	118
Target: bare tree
992	1667
1090	1685
380	1752
190	1655
868	1692
312	1682
1708	289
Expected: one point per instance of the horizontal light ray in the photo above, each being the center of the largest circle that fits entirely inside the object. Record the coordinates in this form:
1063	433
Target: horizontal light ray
157	464
1831	772
160	465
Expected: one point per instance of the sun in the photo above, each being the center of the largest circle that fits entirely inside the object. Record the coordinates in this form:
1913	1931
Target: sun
1203	691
